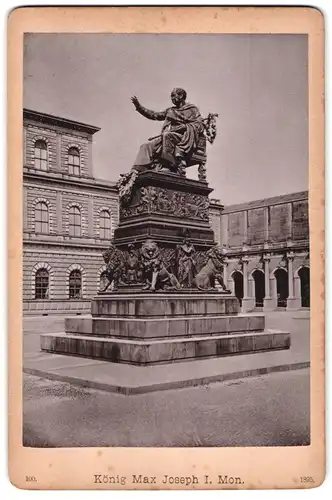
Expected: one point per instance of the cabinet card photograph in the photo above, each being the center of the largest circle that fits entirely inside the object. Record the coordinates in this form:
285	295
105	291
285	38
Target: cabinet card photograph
166	253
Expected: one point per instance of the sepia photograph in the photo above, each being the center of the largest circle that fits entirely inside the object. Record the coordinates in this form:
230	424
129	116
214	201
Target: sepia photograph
166	268
166	252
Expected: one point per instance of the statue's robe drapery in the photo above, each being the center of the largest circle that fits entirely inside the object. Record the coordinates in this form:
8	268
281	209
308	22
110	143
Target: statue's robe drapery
179	136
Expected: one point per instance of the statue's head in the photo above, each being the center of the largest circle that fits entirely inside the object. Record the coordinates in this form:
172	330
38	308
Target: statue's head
178	96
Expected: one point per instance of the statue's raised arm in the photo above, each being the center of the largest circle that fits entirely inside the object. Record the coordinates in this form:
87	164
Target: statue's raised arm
148	113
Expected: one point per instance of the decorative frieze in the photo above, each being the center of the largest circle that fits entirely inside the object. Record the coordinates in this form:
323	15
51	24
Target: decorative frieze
161	201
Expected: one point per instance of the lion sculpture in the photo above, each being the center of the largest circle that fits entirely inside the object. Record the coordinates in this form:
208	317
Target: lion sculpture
211	271
114	266
156	276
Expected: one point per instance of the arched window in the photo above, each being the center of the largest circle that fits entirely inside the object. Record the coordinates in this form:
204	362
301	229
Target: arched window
259	280
238	285
74	161
41	283
40	155
74	221
105	225
281	276
304	274
75	284
41	218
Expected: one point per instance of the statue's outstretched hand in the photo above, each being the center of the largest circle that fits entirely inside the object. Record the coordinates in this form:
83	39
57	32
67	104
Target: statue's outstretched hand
135	101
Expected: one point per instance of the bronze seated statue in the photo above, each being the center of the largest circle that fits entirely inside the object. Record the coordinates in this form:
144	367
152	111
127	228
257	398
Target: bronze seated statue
182	142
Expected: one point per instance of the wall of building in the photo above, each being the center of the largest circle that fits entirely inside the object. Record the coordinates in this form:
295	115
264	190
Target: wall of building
59	140
275	220
268	250
59	261
57	251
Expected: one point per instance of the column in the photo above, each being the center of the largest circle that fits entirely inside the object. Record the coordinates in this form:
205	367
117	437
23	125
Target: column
251	288
270	300
266	259
290	276
248	303
245	262
292	301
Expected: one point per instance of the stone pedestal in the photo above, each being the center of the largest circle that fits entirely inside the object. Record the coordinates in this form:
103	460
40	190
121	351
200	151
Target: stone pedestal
248	305
270	304
165	208
164	327
293	303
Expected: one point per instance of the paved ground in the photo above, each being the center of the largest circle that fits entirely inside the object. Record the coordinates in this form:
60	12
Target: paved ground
259	411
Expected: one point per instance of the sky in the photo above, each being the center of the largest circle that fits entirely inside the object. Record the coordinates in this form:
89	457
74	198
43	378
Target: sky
257	84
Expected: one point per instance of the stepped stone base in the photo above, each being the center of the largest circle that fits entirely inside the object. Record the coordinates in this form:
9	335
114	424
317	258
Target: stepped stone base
164	327
138	352
163	304
149	328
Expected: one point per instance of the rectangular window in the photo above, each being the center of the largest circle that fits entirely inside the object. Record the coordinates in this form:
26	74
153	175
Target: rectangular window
105	225
41	218
74	222
40	160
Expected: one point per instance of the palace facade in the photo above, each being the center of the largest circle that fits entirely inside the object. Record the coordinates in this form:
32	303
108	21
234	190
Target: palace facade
69	218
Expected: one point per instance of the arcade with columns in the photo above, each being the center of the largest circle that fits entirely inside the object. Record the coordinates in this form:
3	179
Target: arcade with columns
267	266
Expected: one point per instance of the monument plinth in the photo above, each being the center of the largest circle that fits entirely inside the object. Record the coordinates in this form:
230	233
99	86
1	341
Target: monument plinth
161	303
164	327
166	208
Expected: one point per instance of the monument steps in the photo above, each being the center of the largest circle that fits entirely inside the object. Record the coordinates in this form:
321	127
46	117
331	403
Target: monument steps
166	327
144	352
